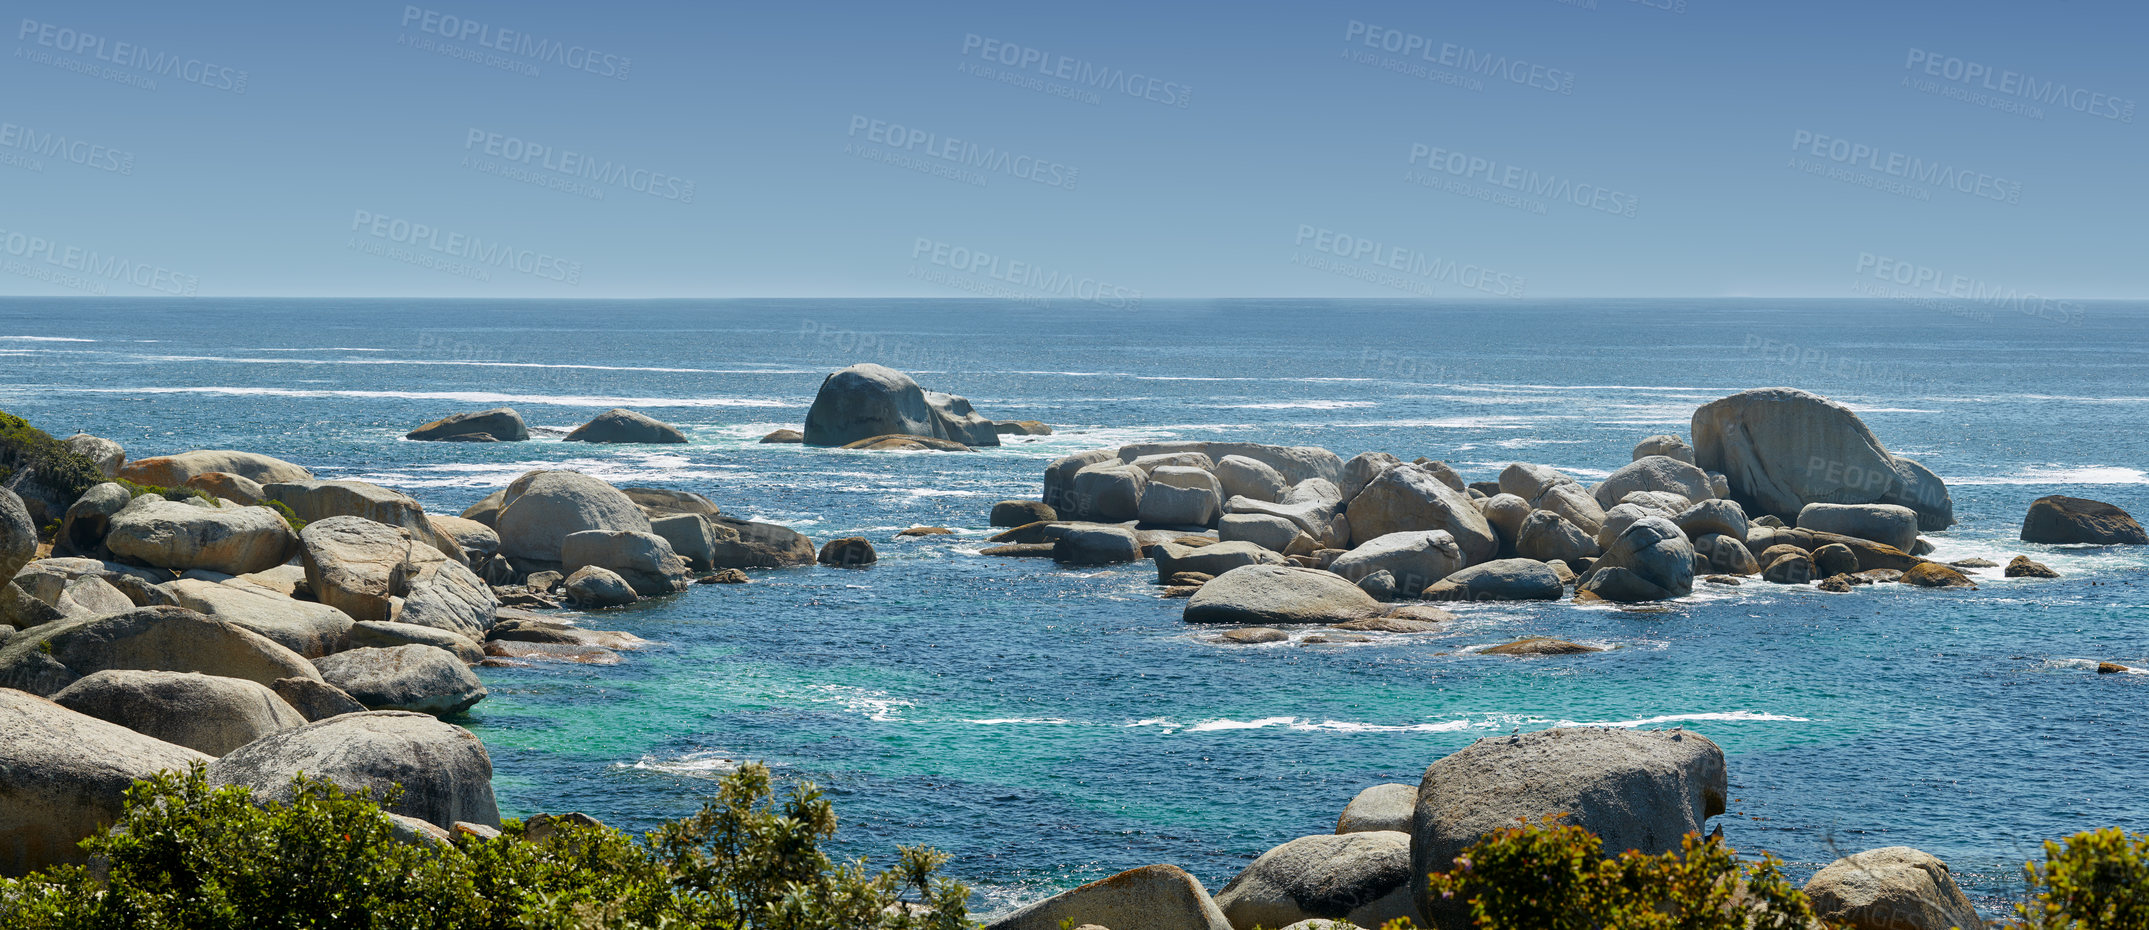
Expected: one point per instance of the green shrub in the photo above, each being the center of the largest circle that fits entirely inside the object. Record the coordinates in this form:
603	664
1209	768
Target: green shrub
283	510
186	855
58	467
2093	881
1553	877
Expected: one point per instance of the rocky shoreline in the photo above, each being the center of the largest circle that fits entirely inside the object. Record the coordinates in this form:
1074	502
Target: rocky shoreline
230	608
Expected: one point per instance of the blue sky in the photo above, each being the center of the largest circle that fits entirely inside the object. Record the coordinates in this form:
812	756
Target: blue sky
1101	150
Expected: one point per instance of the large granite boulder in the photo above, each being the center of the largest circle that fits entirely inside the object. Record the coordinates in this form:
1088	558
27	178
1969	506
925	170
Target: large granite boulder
2062	520
663	502
1658	473
1108	492
748	544
308	628
67	776
1500	580
172	471
1573	504
388	633
18	536
1547	536
1095	545
1714	516
1270	532
1664	445
1635	789
315	699
1362	468
690	537
1360	877
365	569
1212	560
108	456
1896	888
621	425
644	560
867	400
1020	513
541	508
443	769
477	541
1169	505
231	539
1155	897
1415	558
1059	491
1269	595
593	587
1411	497
1887	524
1252	478
1315	505
500	424
223	485
55	589
1650	561
1781	449
1528	481
206	713
417	677
88	520
45	659
1380	808
1294	464
313	501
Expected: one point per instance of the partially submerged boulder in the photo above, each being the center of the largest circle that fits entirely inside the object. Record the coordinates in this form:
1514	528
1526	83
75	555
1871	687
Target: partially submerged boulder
1018	512
443	770
848	552
868	400
1267	595
1096	545
206	713
1781	449
1635	789
1211	560
750	544
620	425
2062	520
500	424
593	586
1500	580
67	776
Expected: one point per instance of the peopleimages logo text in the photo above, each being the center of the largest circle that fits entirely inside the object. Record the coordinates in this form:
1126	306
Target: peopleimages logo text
1899	165
471	249
514	42
1076	71
1460	58
1518	178
2015	84
133	57
955	153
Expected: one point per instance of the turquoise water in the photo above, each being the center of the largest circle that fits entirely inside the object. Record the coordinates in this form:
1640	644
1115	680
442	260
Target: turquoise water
1049	726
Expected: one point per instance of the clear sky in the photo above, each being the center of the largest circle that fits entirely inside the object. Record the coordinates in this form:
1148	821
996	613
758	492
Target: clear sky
1443	148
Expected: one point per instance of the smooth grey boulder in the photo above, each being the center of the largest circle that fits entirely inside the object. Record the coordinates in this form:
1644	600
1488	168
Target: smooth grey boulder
1650	561
231	539
477	541
1530	482
54	589
1658	503
1154	897
1546	536
593	587
1654	473
314	501
388	634
644	560
1265	530
206	713
1616	521
500	424
305	627
174	639
620	425
1108	492
1018	513
1668	446
107	455
82	530
1059	493
1895	888
238	489
1506	512
664	502
315	699
443	769
868	400
1167	505
750	544
1096	545
1315	505
2063	520
1500	580
1887	524
690	538
1211	560
1410	497
541	508
419	678
172	471
1269	595
1713	516
1193	478
955	421
363	568
1360	877
1725	555
1635	789
1249	478
1573	504
1294	463
67	776
1193	460
1780	449
1415	558
1381	807
1362	468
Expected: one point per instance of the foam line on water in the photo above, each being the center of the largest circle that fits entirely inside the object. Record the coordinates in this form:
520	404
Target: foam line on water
469	397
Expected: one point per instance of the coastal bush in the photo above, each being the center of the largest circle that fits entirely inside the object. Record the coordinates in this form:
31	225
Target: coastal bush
1553	877
65	471
2097	880
187	855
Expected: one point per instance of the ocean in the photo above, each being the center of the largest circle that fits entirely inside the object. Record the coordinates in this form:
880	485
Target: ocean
1048	726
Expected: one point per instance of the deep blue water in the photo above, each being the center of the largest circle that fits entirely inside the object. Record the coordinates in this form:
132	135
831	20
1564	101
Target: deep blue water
1049	726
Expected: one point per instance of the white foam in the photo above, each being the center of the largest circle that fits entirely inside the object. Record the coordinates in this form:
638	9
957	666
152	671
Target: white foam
875	705
1303	405
1043	721
2060	474
470	397
1729	715
320	349
1305	725
696	764
45	339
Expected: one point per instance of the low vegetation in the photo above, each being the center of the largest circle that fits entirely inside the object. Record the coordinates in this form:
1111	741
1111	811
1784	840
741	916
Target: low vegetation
25	447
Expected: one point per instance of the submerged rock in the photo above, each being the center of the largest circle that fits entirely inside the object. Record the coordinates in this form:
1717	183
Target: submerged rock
620	425
2062	520
500	424
2023	567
